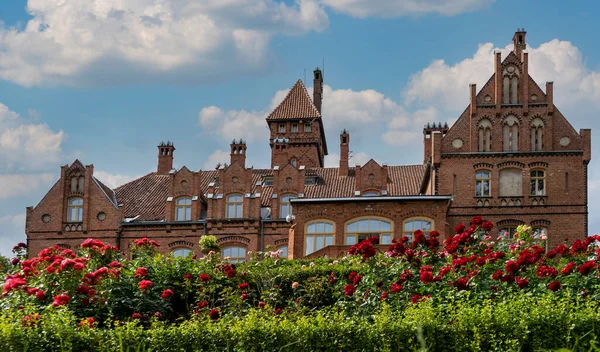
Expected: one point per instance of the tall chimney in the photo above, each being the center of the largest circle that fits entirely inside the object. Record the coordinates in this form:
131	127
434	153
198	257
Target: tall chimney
498	79
550	97
525	81
318	89
344	153
238	152
165	158
519	42
473	93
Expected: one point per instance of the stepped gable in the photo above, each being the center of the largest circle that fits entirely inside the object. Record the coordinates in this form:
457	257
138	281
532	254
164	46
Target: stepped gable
145	197
296	105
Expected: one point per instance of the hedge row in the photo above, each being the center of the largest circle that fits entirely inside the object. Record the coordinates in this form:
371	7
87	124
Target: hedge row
528	323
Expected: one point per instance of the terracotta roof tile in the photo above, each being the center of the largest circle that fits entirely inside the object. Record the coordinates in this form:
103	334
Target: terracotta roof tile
109	192
145	197
296	105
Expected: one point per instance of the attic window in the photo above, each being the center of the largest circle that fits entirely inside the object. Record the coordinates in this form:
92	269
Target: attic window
310	180
268	181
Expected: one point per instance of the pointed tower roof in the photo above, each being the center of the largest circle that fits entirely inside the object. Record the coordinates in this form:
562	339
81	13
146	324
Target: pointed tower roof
296	105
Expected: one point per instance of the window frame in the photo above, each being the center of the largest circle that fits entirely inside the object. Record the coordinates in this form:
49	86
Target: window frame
187	208
360	235
281	128
235	204
511	233
172	252
307	127
287	204
236	259
77	207
284	254
482	180
316	235
294	128
535	181
410	234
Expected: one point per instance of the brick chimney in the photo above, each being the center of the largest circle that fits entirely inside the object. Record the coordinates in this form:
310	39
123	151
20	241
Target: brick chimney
165	158
550	97
519	42
344	153
318	89
238	152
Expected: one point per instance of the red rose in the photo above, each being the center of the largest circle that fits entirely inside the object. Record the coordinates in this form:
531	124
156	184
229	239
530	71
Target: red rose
477	220
261	304
202	304
586	267
554	286
425	274
187	277
245	296
349	290
522	282
460	228
84	290
204	278
384	295
512	267
231	273
158	315
79	266
141	272
243	286
89	322
395	287
61	300
40	295
145	284
115	264
461	283
136	316
214	314
567	269
167	293
487	226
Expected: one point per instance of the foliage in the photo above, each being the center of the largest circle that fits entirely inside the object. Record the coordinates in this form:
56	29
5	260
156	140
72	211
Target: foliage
209	243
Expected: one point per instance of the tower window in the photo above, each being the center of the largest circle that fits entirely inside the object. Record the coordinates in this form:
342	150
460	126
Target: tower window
307	127
510	134
537	129
485	135
295	128
282	128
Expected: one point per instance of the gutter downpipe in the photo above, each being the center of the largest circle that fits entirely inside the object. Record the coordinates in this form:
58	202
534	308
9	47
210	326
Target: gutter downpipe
262	235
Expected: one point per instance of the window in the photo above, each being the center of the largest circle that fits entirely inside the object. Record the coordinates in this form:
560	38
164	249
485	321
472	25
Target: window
539	231
362	229
294	162
412	225
485	135
482	183
234	254
234	206
295	127
537	129
75	210
284	251
537	183
510	85
318	235
183	209
510	134
285	207
508	232
307	127
282	128
371	194
181	252
511	183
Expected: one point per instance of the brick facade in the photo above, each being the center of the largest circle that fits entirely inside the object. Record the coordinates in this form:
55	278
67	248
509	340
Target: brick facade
509	135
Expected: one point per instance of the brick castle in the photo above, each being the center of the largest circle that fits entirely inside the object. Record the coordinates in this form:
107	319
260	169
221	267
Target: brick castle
511	157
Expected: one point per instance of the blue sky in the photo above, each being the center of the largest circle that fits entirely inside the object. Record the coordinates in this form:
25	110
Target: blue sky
105	81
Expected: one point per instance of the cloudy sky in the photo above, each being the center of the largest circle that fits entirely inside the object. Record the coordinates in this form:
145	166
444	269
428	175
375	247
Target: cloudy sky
106	80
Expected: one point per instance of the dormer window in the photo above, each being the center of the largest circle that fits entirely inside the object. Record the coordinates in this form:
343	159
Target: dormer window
371	194
183	209
75	210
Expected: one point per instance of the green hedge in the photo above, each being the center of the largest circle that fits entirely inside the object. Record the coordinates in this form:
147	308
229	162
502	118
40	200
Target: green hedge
524	324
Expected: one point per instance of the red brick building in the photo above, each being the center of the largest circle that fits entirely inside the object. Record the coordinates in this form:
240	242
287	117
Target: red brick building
511	157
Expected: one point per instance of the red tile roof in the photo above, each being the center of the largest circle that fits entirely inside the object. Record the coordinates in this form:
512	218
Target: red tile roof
296	105
146	197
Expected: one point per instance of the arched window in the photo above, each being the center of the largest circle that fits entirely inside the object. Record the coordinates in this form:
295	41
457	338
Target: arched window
318	234
482	183
234	254
183	209
538	183
511	183
414	224
537	131
539	231
284	251
507	232
510	85
75	210
485	135
181	252
285	207
294	162
510	134
361	229
234	206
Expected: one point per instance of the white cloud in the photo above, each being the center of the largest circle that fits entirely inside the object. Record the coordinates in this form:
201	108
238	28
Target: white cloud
18	184
124	41
27	146
360	158
218	156
114	181
447	86
12	231
397	8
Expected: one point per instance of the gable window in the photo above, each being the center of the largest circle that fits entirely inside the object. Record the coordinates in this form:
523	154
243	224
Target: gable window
75	210
234	206
307	127
183	209
537	130
482	183
295	127
537	183
485	135
510	91
318	234
511	183
285	207
362	229
411	225
181	252
282	128
234	254
510	134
